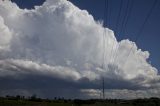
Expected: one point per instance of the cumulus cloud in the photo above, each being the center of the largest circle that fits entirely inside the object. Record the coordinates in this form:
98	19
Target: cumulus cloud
60	42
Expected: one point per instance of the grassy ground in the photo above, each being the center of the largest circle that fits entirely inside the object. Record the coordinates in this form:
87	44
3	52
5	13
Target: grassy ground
107	104
6	102
31	103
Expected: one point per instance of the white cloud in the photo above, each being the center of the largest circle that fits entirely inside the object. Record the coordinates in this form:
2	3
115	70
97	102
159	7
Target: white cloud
5	35
17	68
59	40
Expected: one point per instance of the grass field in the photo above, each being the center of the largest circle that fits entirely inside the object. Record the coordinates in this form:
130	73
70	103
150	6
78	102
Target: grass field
30	103
27	102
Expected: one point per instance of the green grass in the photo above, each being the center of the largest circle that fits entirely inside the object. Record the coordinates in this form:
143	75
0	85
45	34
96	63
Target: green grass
107	104
25	102
30	103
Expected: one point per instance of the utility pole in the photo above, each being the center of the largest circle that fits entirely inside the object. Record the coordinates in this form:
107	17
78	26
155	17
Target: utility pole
103	88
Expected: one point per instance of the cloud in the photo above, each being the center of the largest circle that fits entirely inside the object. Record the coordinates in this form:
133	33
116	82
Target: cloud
123	94
59	42
6	35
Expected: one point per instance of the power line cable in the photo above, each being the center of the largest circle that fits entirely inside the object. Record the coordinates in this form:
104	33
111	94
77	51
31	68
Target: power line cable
125	16
117	24
141	29
104	35
119	14
129	8
129	15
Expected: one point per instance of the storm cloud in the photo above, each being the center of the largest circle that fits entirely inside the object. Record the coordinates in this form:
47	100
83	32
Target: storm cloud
56	49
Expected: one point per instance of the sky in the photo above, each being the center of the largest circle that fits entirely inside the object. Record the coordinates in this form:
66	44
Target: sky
62	48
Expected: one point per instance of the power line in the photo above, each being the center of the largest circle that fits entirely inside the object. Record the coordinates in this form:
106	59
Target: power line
125	16
117	22
145	21
129	8
141	29
116	27
120	10
107	32
106	18
109	13
104	35
128	16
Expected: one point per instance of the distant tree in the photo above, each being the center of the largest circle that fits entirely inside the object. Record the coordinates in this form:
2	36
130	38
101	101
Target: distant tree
18	97
7	96
33	97
23	97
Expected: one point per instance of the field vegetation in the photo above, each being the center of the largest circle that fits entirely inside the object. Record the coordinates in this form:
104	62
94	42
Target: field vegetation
34	101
